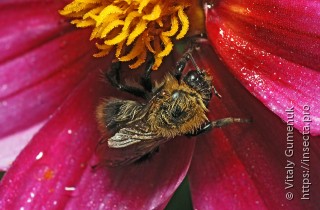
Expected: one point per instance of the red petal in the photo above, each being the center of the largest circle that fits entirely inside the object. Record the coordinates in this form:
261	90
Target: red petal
35	84
148	185
39	64
12	145
270	68
145	186
39	67
243	166
28	24
288	29
56	162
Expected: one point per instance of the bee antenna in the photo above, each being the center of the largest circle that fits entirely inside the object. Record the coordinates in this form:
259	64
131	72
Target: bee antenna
194	63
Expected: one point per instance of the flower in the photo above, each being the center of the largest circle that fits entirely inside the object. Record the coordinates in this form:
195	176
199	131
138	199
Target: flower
142	25
53	98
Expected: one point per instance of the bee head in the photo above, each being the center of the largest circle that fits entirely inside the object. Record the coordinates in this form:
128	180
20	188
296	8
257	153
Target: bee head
201	82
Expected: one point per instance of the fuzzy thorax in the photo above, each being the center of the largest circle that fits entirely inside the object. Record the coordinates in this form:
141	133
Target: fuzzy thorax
176	110
133	27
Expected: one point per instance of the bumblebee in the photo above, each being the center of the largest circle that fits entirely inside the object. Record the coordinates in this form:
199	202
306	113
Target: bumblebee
176	106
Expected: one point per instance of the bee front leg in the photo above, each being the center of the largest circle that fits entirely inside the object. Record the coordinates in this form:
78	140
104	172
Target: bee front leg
146	78
218	124
114	78
181	64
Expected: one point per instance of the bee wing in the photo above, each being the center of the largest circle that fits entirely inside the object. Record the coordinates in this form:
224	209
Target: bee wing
132	153
129	145
132	138
124	156
128	136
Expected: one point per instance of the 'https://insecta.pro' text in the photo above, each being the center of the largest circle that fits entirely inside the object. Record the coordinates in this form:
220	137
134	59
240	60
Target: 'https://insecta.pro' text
305	158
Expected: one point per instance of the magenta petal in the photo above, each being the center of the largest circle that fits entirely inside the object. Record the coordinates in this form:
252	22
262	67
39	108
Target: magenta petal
12	145
279	82
288	29
148	185
54	171
55	159
28	24
243	166
39	66
35	84
43	62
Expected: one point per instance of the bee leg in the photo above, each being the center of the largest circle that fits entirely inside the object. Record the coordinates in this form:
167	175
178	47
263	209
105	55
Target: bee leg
180	65
216	92
114	78
218	124
194	44
146	78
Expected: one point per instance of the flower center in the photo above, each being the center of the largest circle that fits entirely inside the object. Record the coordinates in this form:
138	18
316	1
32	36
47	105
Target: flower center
133	27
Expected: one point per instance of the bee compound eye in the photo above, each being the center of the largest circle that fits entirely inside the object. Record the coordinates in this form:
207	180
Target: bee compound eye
191	77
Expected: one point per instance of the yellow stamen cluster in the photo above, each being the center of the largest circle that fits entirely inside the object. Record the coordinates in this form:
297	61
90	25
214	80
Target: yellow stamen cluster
134	27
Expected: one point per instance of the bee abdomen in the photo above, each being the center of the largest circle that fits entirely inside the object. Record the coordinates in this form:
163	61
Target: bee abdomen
116	112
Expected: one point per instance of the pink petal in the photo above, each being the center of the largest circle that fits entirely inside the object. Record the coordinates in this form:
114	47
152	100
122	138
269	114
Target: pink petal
243	166
54	160
38	56
288	29
38	67
28	24
12	145
148	185
42	81
54	170
281	70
